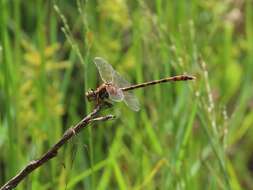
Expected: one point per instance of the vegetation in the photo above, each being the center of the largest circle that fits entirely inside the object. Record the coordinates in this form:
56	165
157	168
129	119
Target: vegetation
187	135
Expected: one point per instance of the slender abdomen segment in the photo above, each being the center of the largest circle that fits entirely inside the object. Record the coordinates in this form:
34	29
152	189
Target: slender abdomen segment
174	78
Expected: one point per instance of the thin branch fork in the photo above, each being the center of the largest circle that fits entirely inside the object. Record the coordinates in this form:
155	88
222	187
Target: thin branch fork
52	152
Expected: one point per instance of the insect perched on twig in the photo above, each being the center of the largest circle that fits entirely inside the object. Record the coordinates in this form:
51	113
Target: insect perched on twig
116	88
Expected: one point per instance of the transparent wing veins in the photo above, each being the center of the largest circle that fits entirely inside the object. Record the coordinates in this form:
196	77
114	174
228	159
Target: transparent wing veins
105	69
131	101
129	98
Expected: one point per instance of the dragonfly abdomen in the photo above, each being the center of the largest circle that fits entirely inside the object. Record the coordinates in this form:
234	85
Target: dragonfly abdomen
169	79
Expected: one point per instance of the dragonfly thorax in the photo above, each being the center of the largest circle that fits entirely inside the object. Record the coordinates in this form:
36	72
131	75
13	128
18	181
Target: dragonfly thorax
99	94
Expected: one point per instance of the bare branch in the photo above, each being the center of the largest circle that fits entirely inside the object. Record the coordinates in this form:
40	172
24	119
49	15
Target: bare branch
52	152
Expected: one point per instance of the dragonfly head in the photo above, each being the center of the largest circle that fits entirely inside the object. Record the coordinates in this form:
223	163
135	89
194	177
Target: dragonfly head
91	95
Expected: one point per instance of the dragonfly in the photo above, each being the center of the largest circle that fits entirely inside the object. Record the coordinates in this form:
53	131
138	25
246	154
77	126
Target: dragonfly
118	89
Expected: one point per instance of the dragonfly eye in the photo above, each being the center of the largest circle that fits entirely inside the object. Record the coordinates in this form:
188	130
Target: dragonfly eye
91	95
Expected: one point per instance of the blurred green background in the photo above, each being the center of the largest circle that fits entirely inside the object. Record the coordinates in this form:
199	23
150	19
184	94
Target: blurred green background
187	135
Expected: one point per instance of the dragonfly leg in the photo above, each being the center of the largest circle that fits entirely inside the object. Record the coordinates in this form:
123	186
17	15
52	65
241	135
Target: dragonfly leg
98	102
102	101
108	104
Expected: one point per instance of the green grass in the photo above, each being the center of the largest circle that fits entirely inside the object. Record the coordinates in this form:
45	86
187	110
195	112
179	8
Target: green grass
187	135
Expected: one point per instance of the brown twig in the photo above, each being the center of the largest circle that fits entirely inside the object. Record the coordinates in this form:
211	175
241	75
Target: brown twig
52	152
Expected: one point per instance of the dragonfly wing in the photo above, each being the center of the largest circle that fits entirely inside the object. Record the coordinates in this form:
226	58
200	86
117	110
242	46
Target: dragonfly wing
105	69
115	94
129	98
119	81
131	101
